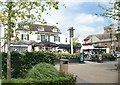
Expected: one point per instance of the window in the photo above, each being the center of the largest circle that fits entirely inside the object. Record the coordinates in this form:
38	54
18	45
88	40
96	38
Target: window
42	37
18	48
24	37
40	28
55	38
54	30
66	40
59	39
48	37
26	27
38	37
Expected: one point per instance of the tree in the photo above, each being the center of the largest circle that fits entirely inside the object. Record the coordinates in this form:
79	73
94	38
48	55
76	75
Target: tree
76	44
114	13
16	14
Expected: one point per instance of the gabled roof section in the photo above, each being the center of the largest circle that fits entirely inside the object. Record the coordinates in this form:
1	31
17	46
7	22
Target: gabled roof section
47	28
87	38
99	36
103	36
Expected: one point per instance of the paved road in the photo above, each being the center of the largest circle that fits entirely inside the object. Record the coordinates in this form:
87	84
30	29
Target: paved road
93	72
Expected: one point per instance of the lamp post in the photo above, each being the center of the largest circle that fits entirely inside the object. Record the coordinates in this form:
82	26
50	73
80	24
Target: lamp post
111	40
0	58
118	37
71	38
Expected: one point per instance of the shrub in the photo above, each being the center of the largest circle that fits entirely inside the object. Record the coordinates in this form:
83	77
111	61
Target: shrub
22	62
59	81
106	55
43	71
65	55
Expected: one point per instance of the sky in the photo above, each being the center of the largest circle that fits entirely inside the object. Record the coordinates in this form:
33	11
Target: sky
81	16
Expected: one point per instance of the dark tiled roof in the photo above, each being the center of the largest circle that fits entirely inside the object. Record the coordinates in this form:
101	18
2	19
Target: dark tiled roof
47	28
103	36
99	36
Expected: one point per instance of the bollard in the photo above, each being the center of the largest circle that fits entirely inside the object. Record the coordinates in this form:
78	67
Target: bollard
81	58
64	66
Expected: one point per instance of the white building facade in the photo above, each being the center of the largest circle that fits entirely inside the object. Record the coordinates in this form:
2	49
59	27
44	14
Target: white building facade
35	33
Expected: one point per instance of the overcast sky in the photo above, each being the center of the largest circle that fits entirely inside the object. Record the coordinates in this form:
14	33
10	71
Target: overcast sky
80	15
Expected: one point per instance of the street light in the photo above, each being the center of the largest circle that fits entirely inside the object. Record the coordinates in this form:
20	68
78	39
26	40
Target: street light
118	37
71	36
111	40
0	58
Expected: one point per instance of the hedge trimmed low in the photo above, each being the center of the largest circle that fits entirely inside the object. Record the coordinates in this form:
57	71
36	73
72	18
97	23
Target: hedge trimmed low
66	55
58	81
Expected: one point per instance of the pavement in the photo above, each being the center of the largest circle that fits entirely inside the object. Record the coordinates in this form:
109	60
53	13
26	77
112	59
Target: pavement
93	72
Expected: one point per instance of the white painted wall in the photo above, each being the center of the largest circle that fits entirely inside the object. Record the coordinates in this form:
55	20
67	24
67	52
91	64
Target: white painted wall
33	36
63	39
2	38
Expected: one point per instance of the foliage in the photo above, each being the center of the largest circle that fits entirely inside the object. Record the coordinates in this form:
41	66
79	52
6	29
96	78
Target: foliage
16	14
43	74
112	11
66	55
43	71
76	44
117	36
22	62
70	80
106	55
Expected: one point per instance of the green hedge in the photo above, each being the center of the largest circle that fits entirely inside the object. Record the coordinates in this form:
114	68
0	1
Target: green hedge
66	55
106	55
58	81
22	62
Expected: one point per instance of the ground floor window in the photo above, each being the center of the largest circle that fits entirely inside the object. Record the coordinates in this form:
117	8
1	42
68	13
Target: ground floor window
18	48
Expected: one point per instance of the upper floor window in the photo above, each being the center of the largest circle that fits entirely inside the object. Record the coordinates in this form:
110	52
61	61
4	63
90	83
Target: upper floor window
24	37
26	27
55	38
54	30
38	37
40	28
42	37
59	39
66	40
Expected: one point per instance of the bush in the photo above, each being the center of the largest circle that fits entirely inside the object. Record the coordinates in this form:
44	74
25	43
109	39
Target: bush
68	56
43	71
22	62
106	56
59	81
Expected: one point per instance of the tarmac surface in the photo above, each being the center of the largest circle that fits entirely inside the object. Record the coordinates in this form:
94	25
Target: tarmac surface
93	72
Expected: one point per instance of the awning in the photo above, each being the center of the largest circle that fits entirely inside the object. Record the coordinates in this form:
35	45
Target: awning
67	46
21	43
46	43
